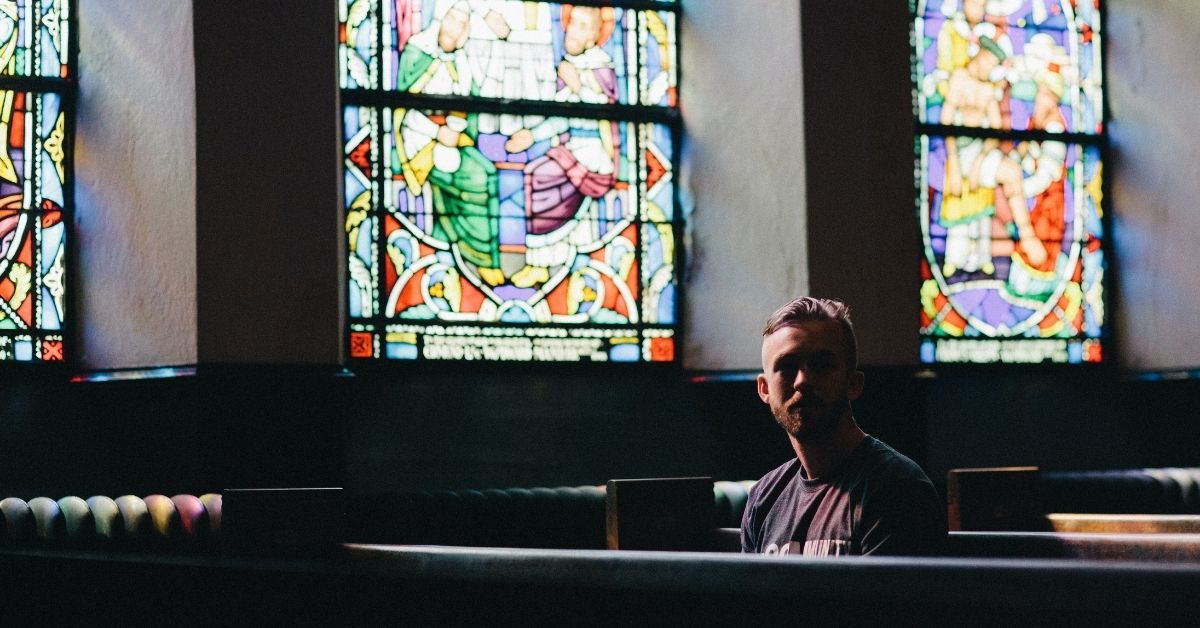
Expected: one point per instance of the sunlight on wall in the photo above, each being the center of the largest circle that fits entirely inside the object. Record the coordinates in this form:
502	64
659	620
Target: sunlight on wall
136	185
744	165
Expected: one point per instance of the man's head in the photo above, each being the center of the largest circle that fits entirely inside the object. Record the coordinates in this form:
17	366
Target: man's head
810	367
989	56
973	10
583	26
455	27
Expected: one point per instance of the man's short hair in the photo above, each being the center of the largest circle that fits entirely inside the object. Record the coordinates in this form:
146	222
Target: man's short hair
805	309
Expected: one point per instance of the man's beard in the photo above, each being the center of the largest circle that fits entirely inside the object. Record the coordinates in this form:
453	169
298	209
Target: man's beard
813	421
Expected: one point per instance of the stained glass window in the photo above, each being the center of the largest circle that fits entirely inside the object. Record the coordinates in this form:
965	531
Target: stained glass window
1010	145
36	117
509	180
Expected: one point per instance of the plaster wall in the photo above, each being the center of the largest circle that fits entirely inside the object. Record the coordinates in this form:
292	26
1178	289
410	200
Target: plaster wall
1152	92
135	192
743	165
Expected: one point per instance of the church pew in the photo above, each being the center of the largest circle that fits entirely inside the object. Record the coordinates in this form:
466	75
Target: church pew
1132	501
178	523
1123	523
1109	546
489	586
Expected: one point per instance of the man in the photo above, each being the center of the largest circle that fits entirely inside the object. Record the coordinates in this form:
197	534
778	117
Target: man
845	492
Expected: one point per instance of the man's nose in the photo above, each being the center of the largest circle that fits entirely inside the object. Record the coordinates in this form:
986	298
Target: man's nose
801	378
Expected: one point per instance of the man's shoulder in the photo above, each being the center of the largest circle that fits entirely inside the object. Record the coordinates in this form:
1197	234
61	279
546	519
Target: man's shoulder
901	510
762	500
783	472
779	475
881	461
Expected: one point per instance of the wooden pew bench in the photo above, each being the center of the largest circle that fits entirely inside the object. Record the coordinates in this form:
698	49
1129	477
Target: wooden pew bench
513	586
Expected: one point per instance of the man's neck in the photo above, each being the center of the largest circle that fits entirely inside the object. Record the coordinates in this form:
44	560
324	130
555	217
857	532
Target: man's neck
821	455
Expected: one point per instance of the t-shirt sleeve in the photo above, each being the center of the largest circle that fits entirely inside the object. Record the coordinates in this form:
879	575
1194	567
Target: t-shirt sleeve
749	543
750	539
903	518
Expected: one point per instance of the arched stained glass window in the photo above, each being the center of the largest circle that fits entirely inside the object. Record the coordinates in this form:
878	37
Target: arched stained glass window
37	90
509	179
1010	143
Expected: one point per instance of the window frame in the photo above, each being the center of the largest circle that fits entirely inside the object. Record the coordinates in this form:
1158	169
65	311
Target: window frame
380	99
67	89
1100	141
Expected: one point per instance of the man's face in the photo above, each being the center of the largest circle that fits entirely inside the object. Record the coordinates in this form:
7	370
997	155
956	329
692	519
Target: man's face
1046	101
806	379
583	30
973	11
454	30
981	65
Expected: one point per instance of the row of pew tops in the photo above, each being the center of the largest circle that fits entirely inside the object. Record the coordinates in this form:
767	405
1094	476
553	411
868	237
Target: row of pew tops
319	556
1129	515
1151	514
127	521
684	512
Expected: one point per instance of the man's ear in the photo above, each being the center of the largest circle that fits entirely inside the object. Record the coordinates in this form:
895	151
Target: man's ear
763	392
857	379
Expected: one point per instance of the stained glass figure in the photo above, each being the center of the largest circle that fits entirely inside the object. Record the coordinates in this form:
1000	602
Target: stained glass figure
35	167
1010	181
515	225
1030	267
544	231
1012	47
510	50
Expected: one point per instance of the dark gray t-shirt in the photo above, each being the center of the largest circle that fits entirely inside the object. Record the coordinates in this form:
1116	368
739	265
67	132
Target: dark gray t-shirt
876	502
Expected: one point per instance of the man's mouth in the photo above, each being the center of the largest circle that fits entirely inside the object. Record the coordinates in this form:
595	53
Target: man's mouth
804	404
